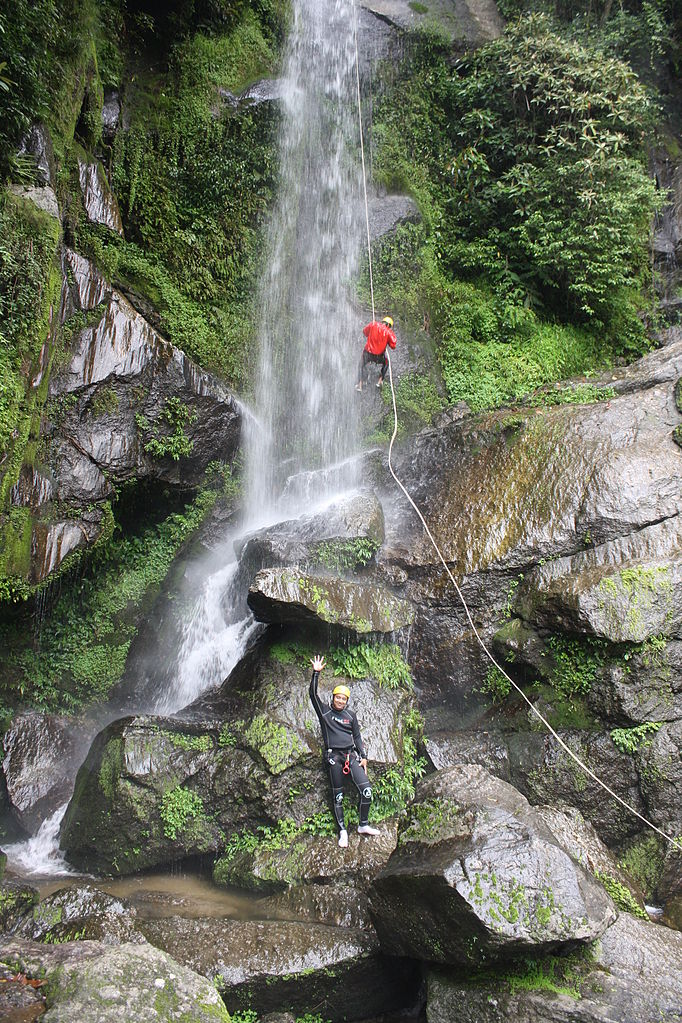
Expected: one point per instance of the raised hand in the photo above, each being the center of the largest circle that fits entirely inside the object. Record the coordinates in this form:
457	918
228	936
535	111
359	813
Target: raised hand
318	663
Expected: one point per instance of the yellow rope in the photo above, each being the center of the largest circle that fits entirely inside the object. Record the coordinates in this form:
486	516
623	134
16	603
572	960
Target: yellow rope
673	841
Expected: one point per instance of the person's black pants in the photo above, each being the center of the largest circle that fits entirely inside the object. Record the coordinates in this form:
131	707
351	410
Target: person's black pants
335	760
369	357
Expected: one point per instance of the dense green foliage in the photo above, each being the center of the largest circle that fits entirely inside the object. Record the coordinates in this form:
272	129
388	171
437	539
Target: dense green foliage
194	178
80	647
29	280
529	166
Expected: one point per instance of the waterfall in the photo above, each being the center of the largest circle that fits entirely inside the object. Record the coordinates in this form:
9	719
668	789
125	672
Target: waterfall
309	337
301	435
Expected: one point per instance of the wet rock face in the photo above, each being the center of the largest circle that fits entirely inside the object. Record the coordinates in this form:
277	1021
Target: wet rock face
112	412
335	904
100	202
133	982
622	982
16	902
122	373
461	20
477	876
310	859
80	913
625	591
345	536
38	144
41	754
387	212
273	965
285	596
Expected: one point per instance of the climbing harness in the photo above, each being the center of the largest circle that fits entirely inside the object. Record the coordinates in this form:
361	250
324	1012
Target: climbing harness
567	749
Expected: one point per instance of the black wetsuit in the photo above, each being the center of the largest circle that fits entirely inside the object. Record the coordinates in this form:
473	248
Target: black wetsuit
342	745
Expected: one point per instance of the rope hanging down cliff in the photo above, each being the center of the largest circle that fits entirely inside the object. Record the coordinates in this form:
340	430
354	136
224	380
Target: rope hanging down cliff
675	842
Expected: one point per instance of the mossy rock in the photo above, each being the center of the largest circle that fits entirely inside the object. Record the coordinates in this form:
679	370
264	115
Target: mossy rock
16	901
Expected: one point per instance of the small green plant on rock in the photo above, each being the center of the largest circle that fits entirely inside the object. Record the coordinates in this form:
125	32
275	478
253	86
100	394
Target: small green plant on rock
346	555
631	740
643	862
277	746
174	444
385	663
178	807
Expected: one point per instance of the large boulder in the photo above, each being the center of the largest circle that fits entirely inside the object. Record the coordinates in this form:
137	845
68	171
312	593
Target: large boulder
633	973
342	537
478	876
268	965
42	753
288	596
133	982
155	789
545	773
625	591
77	913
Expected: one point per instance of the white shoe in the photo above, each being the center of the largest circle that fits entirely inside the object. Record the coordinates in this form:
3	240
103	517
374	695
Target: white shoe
380	382
358	387
367	829
343	839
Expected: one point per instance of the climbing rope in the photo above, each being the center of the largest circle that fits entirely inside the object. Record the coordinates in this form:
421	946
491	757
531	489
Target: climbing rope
588	771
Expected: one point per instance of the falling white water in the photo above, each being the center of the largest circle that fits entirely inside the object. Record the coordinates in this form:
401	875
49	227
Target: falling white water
301	435
212	642
310	341
41	855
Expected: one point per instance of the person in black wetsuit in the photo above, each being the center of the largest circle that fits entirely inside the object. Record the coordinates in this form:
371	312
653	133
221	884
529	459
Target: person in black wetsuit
344	751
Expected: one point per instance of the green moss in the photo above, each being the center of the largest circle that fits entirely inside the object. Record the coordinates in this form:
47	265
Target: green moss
190	743
621	895
104	403
627	595
643	860
429	821
110	769
278	747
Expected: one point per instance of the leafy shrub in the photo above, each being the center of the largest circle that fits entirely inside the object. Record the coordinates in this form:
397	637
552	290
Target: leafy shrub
384	663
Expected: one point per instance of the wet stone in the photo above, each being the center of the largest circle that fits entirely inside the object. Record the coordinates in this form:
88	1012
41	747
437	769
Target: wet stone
478	876
286	596
77	913
300	967
42	752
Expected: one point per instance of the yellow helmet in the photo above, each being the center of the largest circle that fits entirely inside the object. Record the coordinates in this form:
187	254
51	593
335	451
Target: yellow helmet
388	321
341	691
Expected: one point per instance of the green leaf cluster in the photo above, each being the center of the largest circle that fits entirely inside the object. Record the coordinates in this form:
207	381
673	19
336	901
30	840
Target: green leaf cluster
528	161
174	442
631	740
178	806
385	663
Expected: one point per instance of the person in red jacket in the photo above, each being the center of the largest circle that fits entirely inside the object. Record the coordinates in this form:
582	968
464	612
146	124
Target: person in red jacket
378	335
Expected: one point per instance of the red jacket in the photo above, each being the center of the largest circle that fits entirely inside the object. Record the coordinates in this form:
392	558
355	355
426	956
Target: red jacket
378	336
